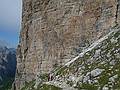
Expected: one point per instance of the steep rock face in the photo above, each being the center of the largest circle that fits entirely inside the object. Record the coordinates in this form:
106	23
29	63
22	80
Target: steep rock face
7	67
54	31
95	68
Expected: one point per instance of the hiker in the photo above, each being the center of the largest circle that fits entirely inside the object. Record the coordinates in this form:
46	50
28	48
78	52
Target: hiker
50	77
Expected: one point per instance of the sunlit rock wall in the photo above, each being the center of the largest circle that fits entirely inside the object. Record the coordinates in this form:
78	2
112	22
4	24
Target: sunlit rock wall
54	31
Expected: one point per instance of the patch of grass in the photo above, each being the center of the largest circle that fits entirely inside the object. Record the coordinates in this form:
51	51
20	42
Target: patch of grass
7	84
87	87
49	87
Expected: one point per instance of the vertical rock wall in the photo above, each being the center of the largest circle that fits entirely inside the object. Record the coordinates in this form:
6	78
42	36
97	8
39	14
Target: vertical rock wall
54	31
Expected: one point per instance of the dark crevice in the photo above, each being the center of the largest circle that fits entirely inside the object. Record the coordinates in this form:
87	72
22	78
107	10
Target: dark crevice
117	9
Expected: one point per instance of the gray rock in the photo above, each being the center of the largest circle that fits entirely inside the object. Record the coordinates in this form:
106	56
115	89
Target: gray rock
55	31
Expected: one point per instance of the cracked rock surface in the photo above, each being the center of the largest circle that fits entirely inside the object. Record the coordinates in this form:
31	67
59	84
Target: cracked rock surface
56	31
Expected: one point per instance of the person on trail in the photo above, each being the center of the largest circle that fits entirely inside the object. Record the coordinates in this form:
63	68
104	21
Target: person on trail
50	77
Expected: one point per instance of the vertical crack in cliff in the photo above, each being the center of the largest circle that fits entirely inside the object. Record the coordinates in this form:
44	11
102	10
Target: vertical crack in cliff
117	9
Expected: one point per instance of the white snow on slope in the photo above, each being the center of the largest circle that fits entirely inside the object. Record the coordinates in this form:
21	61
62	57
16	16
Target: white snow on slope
91	47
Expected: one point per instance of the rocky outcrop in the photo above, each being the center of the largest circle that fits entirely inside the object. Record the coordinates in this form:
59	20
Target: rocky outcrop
95	68
55	31
7	67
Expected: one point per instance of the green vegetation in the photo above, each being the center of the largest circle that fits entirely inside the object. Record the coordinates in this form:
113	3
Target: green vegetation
30	86
7	84
49	87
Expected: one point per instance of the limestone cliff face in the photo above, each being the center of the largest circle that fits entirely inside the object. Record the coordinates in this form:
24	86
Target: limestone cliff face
54	31
95	68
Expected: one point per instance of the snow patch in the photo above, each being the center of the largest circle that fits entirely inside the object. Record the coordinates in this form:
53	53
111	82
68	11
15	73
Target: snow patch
90	48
